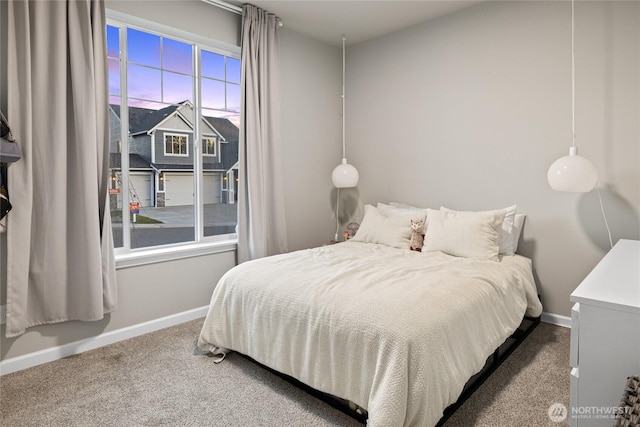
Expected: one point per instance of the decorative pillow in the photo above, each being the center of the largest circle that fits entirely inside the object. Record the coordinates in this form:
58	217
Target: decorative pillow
376	227
390	210
505	242
464	234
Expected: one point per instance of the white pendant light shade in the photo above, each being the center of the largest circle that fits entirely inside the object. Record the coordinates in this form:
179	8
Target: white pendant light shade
572	173
345	175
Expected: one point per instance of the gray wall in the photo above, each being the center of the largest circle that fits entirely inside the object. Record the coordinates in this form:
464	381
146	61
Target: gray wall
141	144
311	116
469	111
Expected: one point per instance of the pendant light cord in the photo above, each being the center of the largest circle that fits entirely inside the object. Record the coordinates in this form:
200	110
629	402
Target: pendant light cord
573	76
344	155
574	140
606	223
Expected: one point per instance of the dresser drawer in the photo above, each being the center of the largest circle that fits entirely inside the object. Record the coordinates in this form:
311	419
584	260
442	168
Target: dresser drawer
575	336
573	395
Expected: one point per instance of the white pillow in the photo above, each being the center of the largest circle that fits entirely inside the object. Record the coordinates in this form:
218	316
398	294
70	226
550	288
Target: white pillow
405	206
391	210
505	242
376	227
517	230
464	234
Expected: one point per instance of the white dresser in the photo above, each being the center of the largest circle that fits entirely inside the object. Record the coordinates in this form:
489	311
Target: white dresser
605	336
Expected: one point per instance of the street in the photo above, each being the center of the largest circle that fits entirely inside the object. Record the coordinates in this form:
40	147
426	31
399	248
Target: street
177	225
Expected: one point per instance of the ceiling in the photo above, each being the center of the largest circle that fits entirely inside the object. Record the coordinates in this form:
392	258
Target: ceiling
358	20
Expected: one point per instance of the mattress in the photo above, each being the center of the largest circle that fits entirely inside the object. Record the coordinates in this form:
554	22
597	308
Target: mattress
395	331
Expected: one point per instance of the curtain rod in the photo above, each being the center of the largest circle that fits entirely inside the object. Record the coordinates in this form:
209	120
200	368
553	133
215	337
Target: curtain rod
232	8
224	5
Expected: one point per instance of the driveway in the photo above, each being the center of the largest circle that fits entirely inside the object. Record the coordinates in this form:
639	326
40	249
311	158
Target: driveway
217	214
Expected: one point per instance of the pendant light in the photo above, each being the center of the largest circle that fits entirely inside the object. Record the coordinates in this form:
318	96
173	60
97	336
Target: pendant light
572	173
344	175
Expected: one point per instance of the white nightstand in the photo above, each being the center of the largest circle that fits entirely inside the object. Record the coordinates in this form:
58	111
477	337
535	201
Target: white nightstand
605	336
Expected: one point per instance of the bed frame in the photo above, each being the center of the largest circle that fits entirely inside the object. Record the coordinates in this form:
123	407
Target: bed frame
527	326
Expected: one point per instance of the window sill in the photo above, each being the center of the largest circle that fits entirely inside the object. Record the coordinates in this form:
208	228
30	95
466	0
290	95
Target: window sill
155	255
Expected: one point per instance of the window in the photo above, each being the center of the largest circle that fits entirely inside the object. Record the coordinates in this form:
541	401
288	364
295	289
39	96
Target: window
161	181
209	146
174	106
175	145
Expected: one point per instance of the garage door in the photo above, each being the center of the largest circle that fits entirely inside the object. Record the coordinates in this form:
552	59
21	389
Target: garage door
178	189
211	188
140	189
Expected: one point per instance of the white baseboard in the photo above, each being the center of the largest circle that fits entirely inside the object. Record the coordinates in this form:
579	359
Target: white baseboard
556	319
19	363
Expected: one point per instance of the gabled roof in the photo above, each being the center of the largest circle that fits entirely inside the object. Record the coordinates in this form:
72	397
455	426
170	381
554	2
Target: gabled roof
144	119
224	127
135	161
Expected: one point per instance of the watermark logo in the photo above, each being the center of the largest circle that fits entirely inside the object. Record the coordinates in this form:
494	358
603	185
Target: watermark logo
557	412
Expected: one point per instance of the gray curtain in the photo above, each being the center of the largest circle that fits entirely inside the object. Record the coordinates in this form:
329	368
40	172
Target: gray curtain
261	212
60	250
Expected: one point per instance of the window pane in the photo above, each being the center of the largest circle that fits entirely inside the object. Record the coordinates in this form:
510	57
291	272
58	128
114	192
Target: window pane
114	76
177	56
176	87
113	42
177	145
219	184
213	94
146	104
115	160
144	83
212	65
209	146
233	70
143	48
233	97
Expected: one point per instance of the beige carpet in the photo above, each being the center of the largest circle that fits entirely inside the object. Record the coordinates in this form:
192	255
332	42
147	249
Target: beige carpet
161	379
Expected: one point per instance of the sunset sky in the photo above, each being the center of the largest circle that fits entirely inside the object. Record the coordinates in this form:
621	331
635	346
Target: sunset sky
160	72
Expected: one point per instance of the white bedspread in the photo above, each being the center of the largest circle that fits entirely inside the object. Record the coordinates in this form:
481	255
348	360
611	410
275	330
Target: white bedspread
395	331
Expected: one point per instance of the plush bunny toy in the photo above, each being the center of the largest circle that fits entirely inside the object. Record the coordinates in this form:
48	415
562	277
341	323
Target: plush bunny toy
417	235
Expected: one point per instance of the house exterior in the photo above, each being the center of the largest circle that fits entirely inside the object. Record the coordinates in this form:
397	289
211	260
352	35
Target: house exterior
161	157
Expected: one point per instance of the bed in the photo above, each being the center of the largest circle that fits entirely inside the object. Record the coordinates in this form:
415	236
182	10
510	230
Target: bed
397	332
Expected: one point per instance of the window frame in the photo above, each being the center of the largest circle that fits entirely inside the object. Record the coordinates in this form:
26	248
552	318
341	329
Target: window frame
214	145
186	144
201	244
